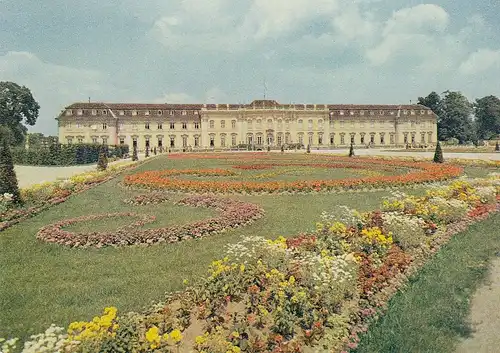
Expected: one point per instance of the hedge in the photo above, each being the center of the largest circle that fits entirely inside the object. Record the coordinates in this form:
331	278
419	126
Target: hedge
59	154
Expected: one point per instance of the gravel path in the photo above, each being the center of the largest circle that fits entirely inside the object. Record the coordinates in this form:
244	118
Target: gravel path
485	316
30	175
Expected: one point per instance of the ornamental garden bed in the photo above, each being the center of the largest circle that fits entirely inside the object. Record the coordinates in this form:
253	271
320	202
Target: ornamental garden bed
315	292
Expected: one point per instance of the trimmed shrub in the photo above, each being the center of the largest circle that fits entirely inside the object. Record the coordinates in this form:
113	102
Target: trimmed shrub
438	154
351	151
8	179
102	163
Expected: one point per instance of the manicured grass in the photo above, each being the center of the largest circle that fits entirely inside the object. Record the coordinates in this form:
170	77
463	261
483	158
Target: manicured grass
431	314
47	283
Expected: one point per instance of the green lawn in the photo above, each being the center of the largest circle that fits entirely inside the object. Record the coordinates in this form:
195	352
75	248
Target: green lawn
431	314
44	283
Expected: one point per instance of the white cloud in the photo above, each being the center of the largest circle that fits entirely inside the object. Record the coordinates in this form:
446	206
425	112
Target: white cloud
53	86
175	98
480	61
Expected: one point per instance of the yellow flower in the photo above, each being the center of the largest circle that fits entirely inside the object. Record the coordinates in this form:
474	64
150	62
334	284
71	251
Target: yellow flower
152	335
291	280
235	334
176	335
242	267
185	282
200	339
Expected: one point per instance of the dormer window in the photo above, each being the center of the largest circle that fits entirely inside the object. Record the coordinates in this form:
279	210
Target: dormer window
171	112
184	112
184	125
134	112
341	112
121	112
422	112
146	112
159	112
69	112
351	113
405	112
195	112
94	111
104	112
412	112
79	112
381	112
361	112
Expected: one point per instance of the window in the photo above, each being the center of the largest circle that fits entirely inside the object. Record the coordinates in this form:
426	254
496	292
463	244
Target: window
352	138
362	139
212	141
171	112
146	126
69	112
372	138
184	141
405	112
184	125
196	141
320	139
172	125
342	139
104	126
392	139
320	123
406	138
196	125
259	140
134	112
310	124
184	112
233	124
341	123
259	123
172	141
351	113
94	111
412	138
233	140
422	137
250	139
122	141
79	112
211	124
372	123
280	124
372	112
361	112
160	112
287	124
279	140
223	141
134	127
160	126
310	139
78	125
94	139
381	112
146	112
422	112
70	140
121	126
301	139
300	123
195	112
104	140
429	112
341	112
121	112
332	139
104	112
80	140
287	138
269	123
382	140
222	124
412	112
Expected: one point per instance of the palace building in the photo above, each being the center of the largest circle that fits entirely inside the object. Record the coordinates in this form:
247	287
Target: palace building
261	123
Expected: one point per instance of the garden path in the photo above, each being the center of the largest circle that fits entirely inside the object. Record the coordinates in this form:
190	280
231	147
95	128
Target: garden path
485	316
28	175
402	153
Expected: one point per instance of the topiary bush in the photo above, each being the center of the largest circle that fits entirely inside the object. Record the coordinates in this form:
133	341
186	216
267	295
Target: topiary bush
102	163
351	151
8	179
438	154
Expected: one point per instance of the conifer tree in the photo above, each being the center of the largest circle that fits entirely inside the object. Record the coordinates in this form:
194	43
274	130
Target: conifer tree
147	152
308	149
497	147
282	149
135	157
351	151
102	162
8	179
438	154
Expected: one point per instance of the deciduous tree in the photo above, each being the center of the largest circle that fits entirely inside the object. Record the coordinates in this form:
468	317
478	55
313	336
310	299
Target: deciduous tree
17	109
8	179
487	111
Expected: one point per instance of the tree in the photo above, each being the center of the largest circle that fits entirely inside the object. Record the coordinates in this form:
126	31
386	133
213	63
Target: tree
147	152
308	149
432	101
135	157
8	179
351	151
102	162
497	147
438	154
487	111
17	107
456	118
282	148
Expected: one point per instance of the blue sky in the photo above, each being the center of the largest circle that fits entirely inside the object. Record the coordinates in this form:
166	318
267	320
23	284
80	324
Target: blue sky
203	51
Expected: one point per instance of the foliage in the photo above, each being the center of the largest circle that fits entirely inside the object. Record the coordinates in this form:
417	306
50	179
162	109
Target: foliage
438	154
17	107
102	162
8	179
432	101
487	112
59	154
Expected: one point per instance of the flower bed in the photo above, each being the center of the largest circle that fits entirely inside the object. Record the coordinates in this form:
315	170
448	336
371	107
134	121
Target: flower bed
311	293
45	195
233	214
420	172
154	198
